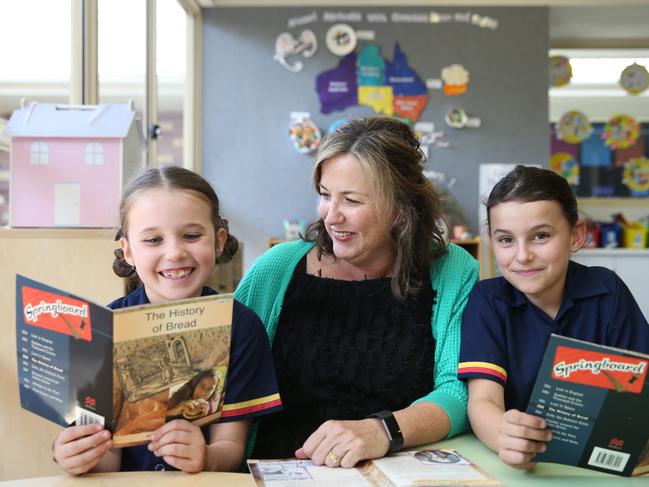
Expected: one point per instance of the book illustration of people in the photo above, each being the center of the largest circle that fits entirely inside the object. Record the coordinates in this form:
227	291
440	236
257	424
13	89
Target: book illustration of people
434	457
169	377
198	397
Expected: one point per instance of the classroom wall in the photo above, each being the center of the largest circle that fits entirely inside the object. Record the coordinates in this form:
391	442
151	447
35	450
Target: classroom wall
247	99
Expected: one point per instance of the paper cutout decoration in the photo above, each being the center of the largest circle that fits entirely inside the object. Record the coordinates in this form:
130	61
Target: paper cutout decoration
335	124
457	118
567	166
286	46
635	79
573	127
456	79
636	176
341	39
425	132
621	132
304	134
560	71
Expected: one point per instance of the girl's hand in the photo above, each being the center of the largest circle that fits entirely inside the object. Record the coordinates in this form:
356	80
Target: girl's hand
181	444
77	449
520	437
345	443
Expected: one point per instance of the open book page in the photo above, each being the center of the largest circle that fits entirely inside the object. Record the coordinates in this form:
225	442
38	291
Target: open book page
432	467
642	466
422	467
300	473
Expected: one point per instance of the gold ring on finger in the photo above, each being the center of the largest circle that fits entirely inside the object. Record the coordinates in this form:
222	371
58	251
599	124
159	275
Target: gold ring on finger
333	457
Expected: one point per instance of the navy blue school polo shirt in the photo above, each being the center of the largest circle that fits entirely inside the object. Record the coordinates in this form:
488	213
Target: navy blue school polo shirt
250	388
504	335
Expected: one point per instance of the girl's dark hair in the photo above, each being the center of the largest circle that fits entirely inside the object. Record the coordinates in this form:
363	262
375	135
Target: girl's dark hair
187	390
526	184
176	178
391	158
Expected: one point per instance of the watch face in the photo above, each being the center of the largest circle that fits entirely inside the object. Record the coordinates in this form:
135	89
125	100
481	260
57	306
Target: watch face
635	79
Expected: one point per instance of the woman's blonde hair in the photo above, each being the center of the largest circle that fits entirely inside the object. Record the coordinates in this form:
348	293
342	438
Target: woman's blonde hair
390	156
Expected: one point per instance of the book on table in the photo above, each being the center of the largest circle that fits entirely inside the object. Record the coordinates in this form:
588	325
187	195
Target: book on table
595	400
130	369
418	467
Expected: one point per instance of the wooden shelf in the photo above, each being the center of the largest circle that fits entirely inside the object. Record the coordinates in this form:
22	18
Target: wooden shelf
613	202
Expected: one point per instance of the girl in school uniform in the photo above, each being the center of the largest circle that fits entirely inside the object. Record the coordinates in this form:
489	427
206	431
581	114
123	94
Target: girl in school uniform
534	226
171	235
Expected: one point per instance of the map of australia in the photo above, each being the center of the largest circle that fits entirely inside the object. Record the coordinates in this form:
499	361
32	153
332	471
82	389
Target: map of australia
366	78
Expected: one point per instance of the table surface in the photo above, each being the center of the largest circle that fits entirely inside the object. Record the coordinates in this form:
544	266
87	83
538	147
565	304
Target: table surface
468	445
545	474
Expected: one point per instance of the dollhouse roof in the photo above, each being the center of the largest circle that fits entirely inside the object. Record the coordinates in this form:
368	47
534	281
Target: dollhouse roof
52	120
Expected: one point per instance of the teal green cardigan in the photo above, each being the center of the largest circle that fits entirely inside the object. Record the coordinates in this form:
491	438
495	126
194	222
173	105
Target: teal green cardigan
452	276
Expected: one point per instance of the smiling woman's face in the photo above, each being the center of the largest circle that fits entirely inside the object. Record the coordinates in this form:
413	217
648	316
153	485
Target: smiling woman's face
348	207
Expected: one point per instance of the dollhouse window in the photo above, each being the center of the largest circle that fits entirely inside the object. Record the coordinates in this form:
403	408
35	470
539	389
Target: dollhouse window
94	154
39	153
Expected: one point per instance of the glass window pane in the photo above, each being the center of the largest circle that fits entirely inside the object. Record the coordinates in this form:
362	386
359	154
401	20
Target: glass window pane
121	46
170	69
39	69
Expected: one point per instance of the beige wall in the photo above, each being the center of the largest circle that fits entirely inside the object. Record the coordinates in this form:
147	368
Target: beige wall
78	261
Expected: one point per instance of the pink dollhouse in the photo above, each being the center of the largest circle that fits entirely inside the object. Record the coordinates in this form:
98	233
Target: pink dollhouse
69	163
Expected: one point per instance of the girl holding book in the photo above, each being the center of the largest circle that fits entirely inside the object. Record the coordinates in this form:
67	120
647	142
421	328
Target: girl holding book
534	226
171	235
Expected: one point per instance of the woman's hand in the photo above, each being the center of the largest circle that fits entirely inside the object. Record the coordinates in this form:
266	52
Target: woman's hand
77	449
520	437
345	443
181	444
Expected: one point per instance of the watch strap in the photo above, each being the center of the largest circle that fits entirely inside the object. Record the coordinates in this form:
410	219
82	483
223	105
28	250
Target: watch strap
392	429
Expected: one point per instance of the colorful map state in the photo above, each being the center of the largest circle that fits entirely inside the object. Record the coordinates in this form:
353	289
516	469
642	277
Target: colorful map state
390	88
337	87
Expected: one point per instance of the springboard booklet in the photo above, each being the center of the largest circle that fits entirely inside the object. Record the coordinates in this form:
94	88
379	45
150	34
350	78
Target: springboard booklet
130	369
417	467
595	400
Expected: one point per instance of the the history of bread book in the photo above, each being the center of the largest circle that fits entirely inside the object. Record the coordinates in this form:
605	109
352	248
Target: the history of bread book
595	400
130	369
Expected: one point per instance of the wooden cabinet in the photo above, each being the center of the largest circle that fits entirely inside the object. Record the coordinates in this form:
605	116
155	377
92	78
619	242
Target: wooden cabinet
631	265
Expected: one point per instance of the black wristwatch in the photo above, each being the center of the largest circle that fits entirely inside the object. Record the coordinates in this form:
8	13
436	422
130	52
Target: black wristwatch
391	428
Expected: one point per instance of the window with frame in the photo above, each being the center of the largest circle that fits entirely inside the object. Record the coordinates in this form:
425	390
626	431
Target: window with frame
94	154
39	153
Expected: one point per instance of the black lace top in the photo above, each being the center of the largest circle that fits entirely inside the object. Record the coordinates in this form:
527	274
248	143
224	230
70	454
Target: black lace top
344	350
